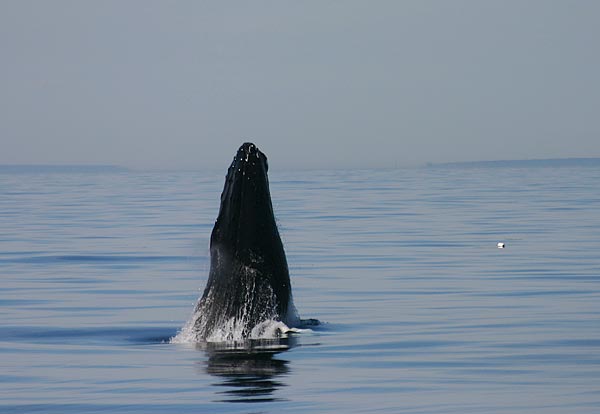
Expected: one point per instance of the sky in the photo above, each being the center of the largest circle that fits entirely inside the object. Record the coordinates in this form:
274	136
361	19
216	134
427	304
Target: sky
315	84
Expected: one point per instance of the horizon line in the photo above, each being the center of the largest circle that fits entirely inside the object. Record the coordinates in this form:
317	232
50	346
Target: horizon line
106	167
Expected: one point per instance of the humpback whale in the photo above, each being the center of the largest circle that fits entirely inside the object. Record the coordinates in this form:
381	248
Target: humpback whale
248	286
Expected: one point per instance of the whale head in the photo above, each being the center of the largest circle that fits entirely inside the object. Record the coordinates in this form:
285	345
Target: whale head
246	212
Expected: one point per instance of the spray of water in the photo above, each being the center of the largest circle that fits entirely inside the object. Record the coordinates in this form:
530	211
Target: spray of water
256	319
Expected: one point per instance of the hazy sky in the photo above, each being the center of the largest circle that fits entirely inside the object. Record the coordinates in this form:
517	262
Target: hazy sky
168	84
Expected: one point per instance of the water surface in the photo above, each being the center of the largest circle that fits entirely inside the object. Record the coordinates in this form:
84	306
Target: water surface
422	313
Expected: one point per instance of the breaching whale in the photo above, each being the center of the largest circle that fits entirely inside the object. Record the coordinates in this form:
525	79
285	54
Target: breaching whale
248	285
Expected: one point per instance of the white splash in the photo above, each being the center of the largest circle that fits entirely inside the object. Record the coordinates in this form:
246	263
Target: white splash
236	329
233	331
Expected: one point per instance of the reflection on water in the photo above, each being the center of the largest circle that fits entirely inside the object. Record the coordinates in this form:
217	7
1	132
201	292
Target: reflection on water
248	370
251	378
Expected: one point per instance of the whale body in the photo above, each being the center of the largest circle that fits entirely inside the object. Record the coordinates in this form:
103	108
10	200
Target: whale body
248	286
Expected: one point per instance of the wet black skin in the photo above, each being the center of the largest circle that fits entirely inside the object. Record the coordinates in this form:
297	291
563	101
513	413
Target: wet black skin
249	278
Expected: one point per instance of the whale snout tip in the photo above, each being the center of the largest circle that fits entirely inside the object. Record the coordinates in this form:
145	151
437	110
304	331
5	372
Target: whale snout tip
248	148
249	152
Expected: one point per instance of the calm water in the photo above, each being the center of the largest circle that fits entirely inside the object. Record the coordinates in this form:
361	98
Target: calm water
423	313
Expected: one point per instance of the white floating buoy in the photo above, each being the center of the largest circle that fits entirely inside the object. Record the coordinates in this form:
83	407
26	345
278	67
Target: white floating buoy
500	245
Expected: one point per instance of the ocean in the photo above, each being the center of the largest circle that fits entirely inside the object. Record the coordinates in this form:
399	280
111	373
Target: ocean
420	311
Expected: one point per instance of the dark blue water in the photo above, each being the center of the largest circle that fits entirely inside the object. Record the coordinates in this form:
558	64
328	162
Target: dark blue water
422	312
